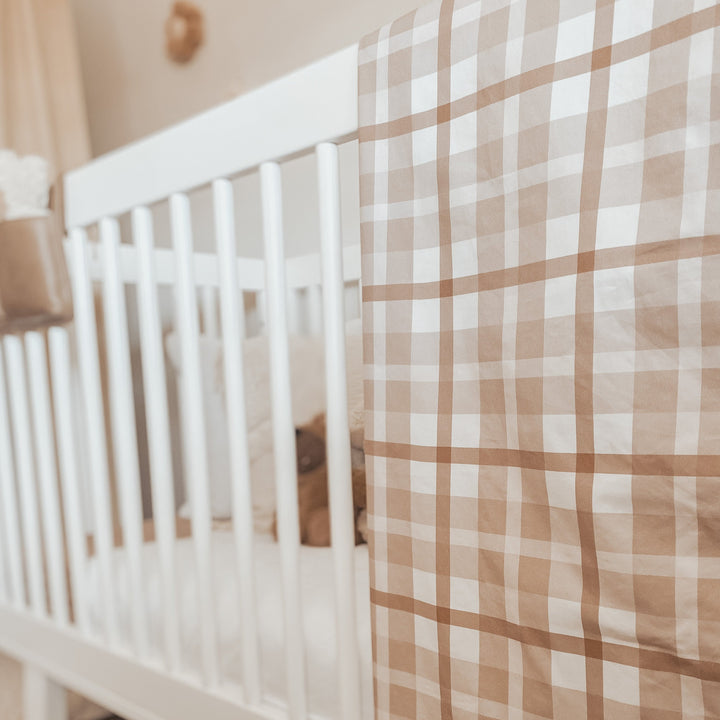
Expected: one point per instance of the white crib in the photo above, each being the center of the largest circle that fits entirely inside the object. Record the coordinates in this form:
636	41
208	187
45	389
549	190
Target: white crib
54	448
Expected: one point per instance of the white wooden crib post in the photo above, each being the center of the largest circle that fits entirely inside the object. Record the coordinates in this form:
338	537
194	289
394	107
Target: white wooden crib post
123	426
338	433
89	368
283	439
9	501
55	565
158	428
193	426
65	419
233	333
43	699
25	467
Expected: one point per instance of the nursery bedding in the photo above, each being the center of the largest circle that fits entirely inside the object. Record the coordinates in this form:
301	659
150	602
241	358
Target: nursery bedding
308	398
317	602
540	207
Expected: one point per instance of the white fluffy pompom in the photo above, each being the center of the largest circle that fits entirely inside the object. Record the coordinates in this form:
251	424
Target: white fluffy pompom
24	186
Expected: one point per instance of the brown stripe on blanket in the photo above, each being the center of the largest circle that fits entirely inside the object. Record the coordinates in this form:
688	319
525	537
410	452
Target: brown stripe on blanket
595	137
582	262
615	464
599	59
445	359
623	654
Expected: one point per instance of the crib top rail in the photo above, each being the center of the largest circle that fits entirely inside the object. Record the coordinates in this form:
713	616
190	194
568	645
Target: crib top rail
302	271
282	119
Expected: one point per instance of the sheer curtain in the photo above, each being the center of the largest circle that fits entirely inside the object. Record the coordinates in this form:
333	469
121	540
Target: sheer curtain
42	108
42	112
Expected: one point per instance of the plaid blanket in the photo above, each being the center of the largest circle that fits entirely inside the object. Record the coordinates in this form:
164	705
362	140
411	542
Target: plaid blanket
540	207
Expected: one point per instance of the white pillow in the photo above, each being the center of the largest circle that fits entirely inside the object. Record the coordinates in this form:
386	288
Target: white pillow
307	379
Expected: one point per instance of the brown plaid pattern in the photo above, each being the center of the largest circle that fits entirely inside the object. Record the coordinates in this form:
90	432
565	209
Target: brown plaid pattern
540	192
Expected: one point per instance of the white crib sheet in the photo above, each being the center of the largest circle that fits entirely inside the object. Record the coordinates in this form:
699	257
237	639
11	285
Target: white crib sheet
317	605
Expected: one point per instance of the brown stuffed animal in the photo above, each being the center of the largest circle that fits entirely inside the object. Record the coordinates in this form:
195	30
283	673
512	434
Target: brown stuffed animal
313	499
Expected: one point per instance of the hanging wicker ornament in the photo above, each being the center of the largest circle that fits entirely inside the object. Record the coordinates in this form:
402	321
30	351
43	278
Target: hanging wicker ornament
183	31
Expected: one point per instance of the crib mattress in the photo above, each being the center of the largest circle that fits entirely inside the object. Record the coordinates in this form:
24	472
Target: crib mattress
316	573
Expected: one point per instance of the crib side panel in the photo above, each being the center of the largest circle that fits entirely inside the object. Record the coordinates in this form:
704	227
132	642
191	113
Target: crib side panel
284	118
79	548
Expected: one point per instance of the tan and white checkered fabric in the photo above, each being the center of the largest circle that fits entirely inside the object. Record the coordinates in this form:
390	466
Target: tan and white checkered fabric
540	190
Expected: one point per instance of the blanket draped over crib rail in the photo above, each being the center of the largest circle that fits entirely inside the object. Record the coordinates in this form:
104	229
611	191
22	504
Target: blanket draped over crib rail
540	199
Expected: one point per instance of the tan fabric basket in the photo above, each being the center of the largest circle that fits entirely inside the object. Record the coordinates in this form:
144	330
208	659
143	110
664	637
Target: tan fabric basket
34	283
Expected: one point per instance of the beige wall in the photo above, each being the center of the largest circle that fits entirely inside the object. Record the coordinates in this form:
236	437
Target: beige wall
132	89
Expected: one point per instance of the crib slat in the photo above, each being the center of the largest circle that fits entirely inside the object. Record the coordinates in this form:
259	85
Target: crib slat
47	472
338	433
123	426
193	423
158	429
64	424
87	346
5	591
20	411
233	332
16	574
283	438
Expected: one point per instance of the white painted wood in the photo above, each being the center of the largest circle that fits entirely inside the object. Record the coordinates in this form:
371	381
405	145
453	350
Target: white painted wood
302	270
193	426
82	454
283	439
205	271
5	590
87	348
127	469
158	429
8	496
43	699
24	459
280	119
342	518
233	333
47	473
116	681
67	453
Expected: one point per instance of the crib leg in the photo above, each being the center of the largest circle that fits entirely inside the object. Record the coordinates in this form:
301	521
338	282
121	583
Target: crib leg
43	699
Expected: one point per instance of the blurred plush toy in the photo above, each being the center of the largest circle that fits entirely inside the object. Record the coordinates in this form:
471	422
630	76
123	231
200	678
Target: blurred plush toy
313	498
